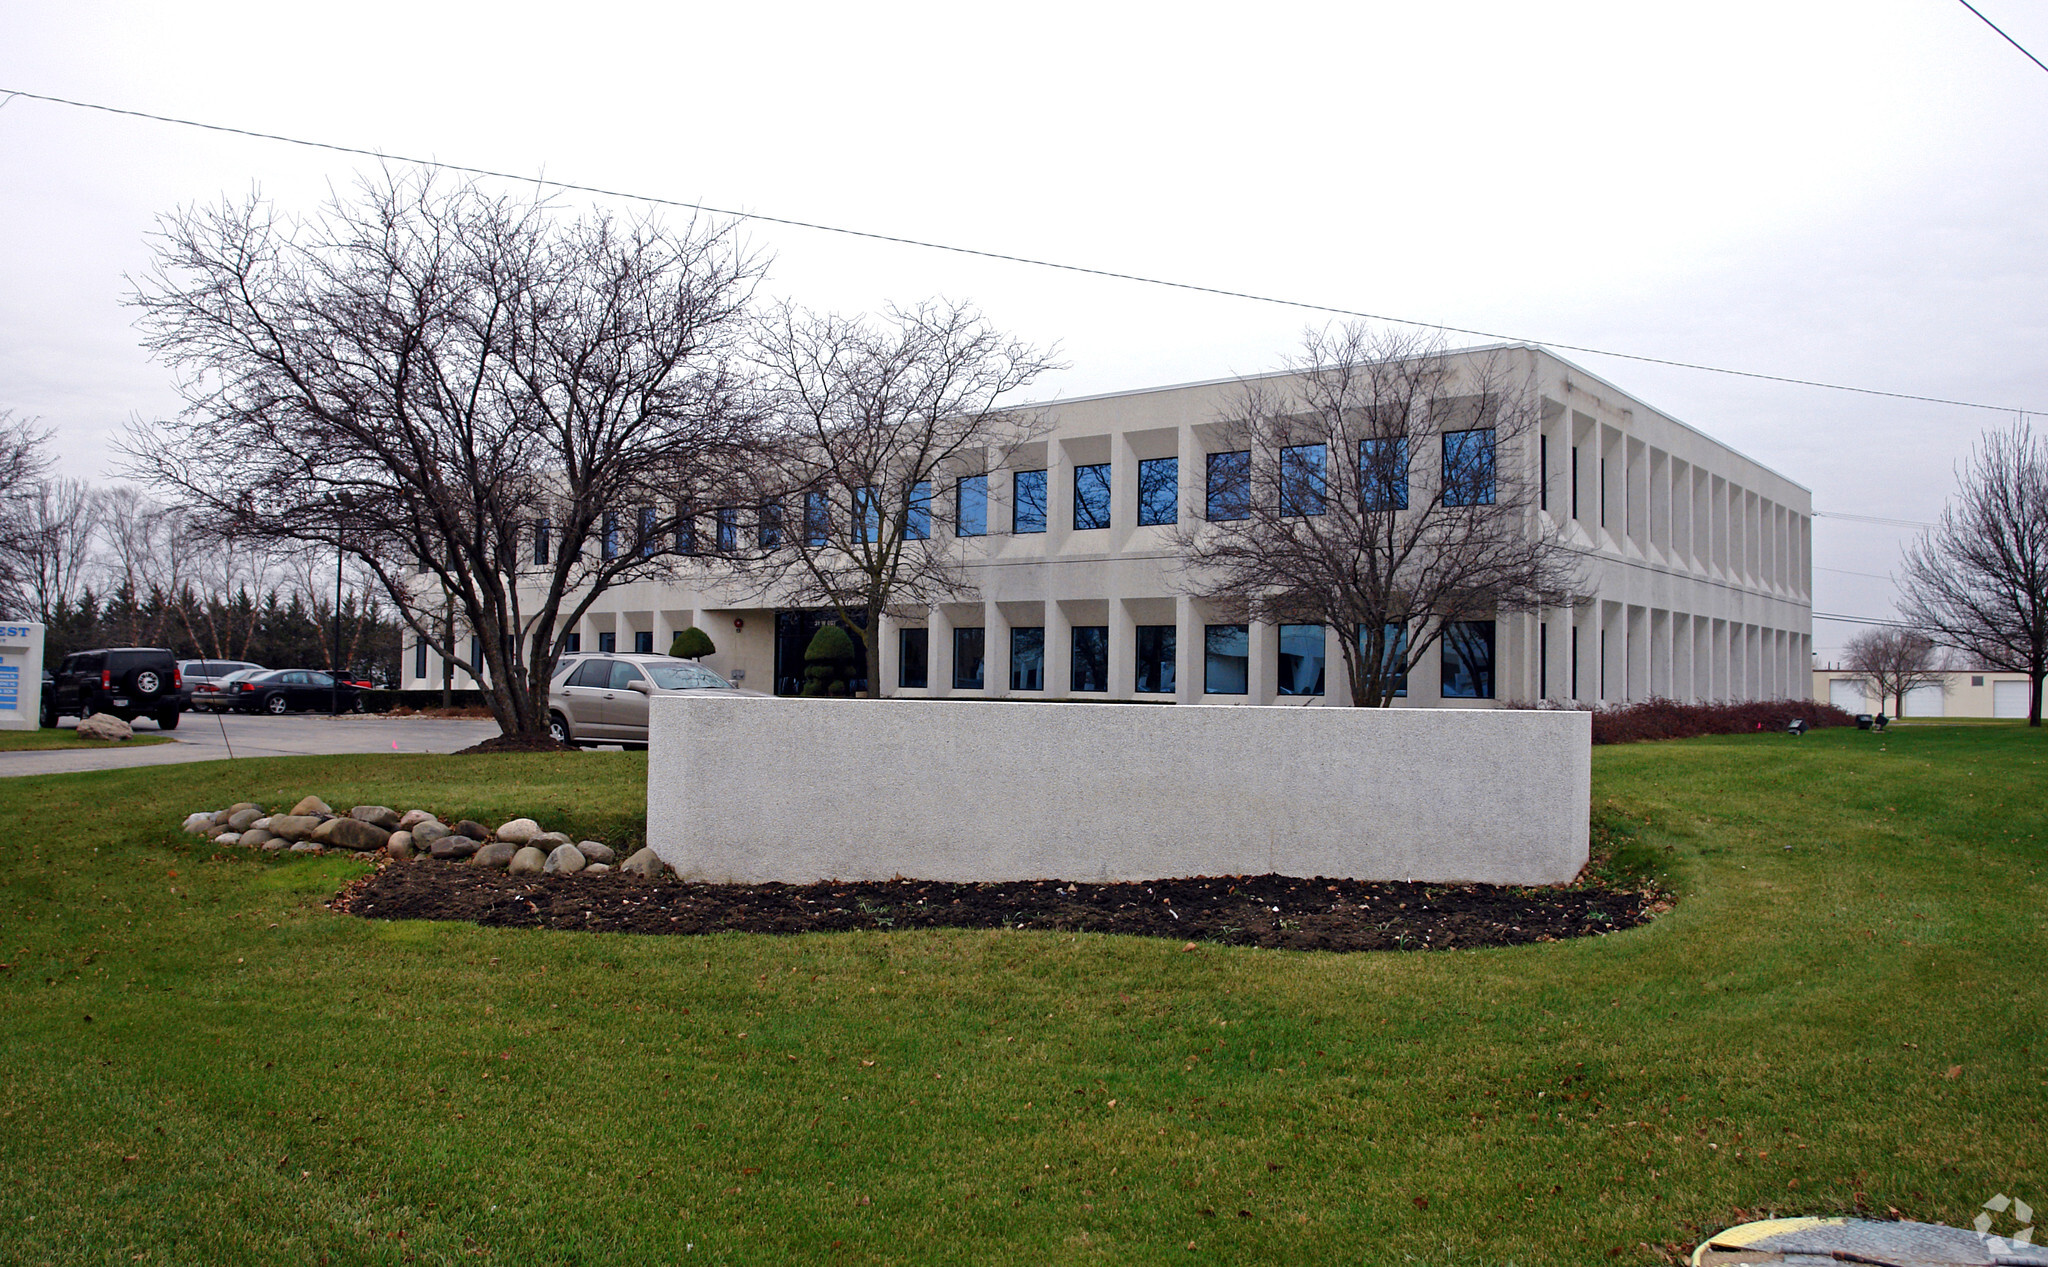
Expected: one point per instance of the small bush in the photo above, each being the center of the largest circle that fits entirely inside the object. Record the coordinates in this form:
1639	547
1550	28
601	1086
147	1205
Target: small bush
691	644
1669	719
829	663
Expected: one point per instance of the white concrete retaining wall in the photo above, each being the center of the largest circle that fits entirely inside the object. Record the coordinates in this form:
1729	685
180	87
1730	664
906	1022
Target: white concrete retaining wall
754	790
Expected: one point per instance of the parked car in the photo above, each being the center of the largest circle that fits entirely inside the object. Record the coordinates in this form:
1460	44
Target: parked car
203	677
128	682
599	699
295	691
222	697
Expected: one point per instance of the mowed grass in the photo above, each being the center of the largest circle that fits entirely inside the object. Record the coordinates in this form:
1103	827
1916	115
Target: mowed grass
200	1064
43	740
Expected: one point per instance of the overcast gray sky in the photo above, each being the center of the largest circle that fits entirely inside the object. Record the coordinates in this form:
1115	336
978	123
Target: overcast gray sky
1841	191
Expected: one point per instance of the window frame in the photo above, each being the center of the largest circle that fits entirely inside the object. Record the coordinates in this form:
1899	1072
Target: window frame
1484	687
917	512
1377	494
1150	488
1322	661
1031	657
1166	660
974	639
1093	493
922	637
1462	473
1098	635
1301	496
960	504
1018	502
1225	484
1209	659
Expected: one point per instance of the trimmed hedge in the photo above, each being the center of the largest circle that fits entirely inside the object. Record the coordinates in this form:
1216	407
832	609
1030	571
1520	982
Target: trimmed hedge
1669	719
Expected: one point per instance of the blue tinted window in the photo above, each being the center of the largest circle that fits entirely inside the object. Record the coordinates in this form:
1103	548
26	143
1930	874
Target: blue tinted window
1227	660
817	519
686	531
769	533
1091	658
917	516
1383	473
606	642
1159	491
913	646
867	515
1091	497
572	643
1027	513
1393	656
728	529
1468	659
1468	469
419	660
540	550
1027	659
970	498
1303	479
1230	485
1301	659
610	543
1156	659
643	642
967	657
648	542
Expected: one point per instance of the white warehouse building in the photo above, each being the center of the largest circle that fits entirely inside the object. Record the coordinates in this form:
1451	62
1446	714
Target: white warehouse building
1698	561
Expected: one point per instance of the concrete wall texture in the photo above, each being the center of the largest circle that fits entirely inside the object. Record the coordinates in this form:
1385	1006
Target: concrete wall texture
754	790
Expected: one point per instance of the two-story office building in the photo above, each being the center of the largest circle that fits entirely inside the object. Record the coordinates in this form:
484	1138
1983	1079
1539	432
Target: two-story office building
1697	561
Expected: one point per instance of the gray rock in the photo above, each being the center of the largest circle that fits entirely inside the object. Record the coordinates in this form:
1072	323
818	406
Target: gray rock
228	838
292	826
263	822
497	854
376	816
105	726
413	818
351	833
549	840
307	846
451	847
528	861
221	817
565	860
520	831
597	868
596	851
474	830
256	836
399	846
276	844
429	830
239	806
243	819
644	863
314	805
197	824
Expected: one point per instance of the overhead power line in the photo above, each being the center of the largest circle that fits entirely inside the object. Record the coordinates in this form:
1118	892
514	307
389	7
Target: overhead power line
1006	257
1873	519
1863	620
2001	31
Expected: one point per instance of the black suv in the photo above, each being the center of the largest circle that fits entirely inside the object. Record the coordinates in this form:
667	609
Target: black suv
128	682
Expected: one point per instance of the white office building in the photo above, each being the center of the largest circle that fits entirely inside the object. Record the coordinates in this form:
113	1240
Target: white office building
1697	560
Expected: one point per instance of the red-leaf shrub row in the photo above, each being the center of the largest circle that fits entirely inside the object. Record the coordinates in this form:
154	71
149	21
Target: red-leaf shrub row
1669	719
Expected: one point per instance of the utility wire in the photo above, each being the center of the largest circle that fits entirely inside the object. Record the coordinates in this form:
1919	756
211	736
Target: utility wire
2001	31
869	235
1873	519
1862	620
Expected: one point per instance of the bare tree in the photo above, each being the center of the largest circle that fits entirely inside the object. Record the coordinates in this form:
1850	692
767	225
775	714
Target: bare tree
22	465
1978	582
874	420
1893	662
1386	489
60	534
492	407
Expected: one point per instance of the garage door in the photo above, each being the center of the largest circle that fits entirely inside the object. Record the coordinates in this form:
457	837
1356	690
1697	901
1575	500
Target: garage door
2010	699
1924	701
1849	695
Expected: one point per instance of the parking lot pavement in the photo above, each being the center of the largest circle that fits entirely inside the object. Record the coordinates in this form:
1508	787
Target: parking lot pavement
214	737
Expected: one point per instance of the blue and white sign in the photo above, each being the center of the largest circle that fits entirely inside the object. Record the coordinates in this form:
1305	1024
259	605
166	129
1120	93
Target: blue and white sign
21	674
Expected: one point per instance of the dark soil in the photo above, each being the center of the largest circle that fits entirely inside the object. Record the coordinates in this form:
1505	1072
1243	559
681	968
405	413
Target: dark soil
515	743
1267	910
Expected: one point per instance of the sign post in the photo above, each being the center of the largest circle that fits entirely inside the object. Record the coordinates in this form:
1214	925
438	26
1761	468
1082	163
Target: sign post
21	675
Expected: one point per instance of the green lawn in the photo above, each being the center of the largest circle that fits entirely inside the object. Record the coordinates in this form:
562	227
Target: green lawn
200	1064
42	740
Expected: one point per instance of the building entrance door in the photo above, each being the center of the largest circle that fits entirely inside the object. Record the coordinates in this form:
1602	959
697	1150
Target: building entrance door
793	633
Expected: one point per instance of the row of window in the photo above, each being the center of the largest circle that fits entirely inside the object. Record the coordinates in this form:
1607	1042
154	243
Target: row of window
1468	480
1467	650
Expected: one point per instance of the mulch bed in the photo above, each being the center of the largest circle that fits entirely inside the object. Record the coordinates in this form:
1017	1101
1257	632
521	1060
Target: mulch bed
1268	910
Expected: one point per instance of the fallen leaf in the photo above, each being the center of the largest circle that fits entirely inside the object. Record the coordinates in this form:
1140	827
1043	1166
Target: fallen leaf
1422	1203
1185	949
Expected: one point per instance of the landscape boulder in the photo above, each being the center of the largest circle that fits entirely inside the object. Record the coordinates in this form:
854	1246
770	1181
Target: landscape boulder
399	846
257	836
276	844
597	851
198	824
528	861
105	726
474	830
239	806
428	830
293	826
644	863
313	805
350	833
597	868
306	846
375	815
243	819
565	860
496	854
520	831
451	847
551	840
413	818
228	838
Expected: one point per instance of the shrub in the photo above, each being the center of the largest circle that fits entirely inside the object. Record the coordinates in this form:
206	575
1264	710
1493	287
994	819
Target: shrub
1669	719
829	662
691	644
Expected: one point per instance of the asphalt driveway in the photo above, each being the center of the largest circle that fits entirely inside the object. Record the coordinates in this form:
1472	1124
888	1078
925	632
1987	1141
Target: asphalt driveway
214	737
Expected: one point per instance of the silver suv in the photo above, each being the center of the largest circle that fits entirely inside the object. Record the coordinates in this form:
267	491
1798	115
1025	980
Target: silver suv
600	699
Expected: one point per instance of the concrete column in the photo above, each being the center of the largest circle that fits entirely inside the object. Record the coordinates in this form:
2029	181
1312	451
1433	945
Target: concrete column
1059	651
1264	683
888	630
939	652
995	650
1123	651
1187	646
